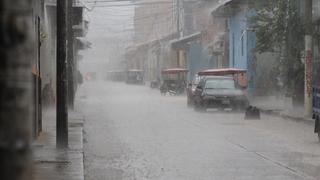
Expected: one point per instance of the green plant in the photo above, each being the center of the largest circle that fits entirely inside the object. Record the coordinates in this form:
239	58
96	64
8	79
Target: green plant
279	29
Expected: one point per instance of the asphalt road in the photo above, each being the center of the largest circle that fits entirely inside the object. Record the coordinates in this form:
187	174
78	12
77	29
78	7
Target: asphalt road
134	133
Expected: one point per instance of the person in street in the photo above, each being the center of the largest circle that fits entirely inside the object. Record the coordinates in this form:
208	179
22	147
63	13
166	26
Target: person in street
79	78
48	98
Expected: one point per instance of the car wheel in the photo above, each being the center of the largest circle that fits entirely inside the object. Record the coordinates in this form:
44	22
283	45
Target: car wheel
195	107
241	106
189	102
199	107
238	108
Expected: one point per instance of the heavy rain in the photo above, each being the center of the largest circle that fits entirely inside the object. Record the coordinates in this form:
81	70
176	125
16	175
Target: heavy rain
160	90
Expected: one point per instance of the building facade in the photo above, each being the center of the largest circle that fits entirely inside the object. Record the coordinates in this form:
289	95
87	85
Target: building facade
241	37
154	26
43	62
204	43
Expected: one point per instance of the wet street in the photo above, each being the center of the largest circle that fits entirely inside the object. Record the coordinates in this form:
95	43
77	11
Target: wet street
134	133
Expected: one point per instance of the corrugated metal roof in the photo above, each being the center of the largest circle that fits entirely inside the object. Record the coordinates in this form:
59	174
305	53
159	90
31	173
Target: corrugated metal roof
186	39
220	4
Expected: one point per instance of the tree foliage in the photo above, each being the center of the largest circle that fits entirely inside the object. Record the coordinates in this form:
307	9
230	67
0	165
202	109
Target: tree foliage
279	28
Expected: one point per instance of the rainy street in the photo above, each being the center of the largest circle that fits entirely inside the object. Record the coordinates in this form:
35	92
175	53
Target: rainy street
160	90
132	132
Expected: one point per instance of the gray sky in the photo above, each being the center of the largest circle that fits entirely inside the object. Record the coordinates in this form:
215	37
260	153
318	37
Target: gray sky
108	32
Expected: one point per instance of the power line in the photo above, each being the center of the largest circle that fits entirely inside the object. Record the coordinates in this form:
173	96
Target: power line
139	18
133	4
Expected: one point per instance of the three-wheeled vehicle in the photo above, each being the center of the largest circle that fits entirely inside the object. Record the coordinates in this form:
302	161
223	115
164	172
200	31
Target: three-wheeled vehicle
155	83
173	81
216	76
316	109
116	75
135	76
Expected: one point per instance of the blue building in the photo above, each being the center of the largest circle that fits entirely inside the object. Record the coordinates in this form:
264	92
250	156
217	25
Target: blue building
242	40
197	58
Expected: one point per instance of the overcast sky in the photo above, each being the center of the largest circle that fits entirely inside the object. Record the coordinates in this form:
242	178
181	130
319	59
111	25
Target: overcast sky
110	31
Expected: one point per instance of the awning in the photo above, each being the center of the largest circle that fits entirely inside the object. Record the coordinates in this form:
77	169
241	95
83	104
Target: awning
221	72
222	3
140	46
116	71
135	70
183	42
174	71
144	45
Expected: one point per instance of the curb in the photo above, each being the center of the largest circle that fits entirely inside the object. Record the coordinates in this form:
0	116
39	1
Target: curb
46	157
77	121
286	116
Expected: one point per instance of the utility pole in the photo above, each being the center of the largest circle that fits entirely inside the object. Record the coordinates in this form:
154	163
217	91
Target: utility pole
62	89
178	31
70	39
308	59
178	17
16	53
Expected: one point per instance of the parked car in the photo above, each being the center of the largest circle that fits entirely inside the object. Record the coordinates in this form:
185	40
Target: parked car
219	92
237	74
116	75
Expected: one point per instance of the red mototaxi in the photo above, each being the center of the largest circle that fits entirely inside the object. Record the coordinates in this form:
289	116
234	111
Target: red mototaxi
173	79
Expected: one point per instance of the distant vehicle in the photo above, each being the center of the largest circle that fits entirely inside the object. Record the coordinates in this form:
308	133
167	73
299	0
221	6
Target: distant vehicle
135	76
219	92
90	76
174	81
116	75
238	74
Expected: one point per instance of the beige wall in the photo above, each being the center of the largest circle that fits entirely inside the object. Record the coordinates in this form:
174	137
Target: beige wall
154	20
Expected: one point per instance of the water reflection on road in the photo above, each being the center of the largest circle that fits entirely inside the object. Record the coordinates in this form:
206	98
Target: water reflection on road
132	132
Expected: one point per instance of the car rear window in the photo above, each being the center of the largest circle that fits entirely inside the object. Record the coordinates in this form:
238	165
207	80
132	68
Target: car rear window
220	84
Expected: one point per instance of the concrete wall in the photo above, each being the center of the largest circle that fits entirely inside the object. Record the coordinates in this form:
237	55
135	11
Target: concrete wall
152	22
198	59
203	54
48	62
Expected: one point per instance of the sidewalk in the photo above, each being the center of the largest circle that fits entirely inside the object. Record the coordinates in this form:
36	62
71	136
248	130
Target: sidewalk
280	106
51	163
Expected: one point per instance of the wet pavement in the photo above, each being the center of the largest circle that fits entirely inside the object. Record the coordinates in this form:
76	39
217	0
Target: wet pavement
281	107
134	133
51	163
